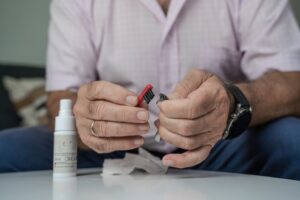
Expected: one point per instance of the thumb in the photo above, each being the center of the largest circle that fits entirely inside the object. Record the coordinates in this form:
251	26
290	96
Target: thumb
192	81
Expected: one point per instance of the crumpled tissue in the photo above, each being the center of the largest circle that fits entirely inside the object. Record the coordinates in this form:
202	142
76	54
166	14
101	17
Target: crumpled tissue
131	162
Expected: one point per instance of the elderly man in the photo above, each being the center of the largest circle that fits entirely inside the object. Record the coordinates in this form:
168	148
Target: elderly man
231	70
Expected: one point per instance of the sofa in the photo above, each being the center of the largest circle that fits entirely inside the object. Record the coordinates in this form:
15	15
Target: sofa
8	115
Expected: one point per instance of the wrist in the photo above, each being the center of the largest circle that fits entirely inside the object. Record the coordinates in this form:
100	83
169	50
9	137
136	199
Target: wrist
240	112
247	91
232	103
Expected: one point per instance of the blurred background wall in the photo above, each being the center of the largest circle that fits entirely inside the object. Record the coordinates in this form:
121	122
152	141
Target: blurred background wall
296	7
23	30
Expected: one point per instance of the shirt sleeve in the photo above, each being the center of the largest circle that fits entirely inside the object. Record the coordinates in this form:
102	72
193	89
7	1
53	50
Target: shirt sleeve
71	56
269	37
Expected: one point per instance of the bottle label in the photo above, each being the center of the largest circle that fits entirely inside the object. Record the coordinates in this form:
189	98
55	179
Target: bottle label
65	154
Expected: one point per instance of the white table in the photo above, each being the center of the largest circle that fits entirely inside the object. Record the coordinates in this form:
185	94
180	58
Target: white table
176	185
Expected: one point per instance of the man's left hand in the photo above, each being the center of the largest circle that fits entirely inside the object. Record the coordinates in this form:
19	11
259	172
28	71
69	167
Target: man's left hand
195	117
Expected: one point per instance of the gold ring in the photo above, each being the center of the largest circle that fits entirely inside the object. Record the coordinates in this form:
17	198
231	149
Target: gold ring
92	129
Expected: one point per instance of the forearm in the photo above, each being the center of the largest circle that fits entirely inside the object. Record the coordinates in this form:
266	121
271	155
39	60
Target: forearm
274	95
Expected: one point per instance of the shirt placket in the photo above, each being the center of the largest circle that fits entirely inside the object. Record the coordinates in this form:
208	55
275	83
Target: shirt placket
169	62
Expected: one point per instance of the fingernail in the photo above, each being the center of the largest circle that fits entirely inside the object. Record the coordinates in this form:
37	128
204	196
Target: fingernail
132	100
157	137
143	127
143	115
168	163
138	142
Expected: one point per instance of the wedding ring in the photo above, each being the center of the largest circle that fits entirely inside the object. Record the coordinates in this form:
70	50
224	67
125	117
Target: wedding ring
92	130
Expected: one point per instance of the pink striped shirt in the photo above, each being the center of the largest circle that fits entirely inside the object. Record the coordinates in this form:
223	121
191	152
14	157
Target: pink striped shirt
132	42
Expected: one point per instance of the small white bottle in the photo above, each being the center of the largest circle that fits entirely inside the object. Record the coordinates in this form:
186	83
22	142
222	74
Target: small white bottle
65	142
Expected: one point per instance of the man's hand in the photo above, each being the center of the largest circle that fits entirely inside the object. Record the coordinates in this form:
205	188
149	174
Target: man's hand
194	118
118	124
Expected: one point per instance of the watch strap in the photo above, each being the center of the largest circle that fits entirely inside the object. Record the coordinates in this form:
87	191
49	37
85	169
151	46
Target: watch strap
238	95
240	119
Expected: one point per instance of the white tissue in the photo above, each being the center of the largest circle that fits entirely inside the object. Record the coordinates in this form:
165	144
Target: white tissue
143	161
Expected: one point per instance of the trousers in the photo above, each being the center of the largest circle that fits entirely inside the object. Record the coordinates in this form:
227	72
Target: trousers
269	150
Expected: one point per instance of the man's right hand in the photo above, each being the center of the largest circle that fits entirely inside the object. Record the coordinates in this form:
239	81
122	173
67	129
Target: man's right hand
118	123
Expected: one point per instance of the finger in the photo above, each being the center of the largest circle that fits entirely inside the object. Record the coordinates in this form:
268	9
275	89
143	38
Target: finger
115	129
187	143
211	122
102	90
189	108
187	159
189	83
106	111
108	145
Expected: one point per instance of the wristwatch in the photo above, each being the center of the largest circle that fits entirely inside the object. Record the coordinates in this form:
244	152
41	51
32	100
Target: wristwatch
240	119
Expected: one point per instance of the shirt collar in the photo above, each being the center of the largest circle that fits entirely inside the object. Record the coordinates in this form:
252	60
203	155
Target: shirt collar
155	9
174	10
169	20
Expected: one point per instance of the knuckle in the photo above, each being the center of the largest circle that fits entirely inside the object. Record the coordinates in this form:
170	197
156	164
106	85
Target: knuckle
98	149
189	144
103	147
196	72
206	139
76	108
200	73
190	111
163	107
85	139
118	128
190	126
96	87
82	90
102	127
99	86
123	115
89	88
99	110
90	108
163	135
182	87
185	129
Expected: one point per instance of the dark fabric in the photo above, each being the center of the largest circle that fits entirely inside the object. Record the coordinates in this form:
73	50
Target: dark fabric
28	149
8	115
270	150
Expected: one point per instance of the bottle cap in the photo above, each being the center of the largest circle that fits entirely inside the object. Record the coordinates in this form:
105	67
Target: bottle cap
65	120
65	107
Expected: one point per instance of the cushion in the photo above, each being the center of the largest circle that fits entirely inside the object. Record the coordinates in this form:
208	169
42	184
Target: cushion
29	99
8	115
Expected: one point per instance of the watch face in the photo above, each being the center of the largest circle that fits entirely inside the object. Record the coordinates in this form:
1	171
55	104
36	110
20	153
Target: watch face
241	124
